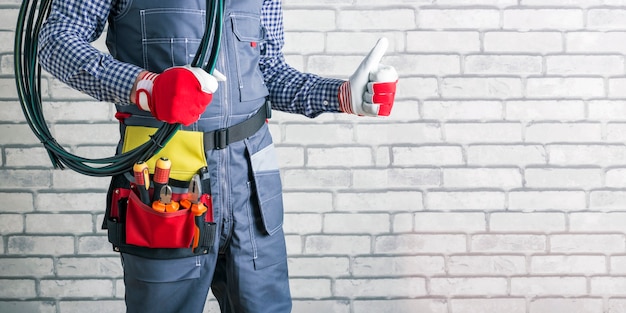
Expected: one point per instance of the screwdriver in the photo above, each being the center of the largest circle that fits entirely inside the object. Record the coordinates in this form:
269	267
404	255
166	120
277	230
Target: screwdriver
142	181
161	176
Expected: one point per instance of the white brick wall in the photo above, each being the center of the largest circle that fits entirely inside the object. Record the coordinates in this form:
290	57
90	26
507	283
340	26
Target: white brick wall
497	185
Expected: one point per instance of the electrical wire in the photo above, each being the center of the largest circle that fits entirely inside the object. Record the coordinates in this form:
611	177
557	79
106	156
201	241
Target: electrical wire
31	17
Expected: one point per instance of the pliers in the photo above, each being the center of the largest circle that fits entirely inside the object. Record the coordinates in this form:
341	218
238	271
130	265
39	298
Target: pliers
165	203
193	202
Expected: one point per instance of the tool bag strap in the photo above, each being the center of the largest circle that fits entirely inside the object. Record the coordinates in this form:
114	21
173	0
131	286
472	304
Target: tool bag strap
221	138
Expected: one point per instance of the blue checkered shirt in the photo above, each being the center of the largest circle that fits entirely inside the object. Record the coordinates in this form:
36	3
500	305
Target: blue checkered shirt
65	51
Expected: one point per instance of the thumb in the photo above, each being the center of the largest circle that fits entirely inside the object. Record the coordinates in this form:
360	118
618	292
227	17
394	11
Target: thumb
371	61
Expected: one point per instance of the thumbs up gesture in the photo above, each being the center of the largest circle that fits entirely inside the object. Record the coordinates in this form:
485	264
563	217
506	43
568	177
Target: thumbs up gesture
372	88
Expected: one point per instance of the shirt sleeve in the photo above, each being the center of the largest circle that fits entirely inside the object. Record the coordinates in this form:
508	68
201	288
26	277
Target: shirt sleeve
65	51
291	90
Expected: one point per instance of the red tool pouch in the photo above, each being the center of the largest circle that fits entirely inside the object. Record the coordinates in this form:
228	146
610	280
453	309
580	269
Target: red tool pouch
146	227
137	229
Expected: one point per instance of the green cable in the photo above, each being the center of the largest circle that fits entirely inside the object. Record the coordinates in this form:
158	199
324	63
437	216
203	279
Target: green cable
31	17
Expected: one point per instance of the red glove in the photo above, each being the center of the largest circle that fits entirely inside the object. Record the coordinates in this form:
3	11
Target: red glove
371	90
178	95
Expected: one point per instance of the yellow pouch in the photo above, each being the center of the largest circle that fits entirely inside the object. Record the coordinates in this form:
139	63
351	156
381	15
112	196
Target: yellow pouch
185	150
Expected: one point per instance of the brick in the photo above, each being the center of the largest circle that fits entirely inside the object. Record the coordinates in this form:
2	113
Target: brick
527	222
481	87
24	179
545	286
464	286
565	87
290	156
305	202
17	288
97	306
450	222
318	134
606	19
616	132
11	223
339	223
486	265
594	42
483	132
16	267
603	155
339	157
462	110
584	65
303	42
501	178
497	3
315	179
27	157
547	200
77	111
357	42
587	243
398	266
509	305
382	19
95	244
503	64
395	178
402	223
399	306
542	19
607	110
295	244
24	306
423	243
84	288
342	245
607	286
597	221
419	87
71	202
443	42
607	200
617	264
302	223
527	42
318	266
40	245
538	110
89	266
459	19
58	223
310	288
314	306
471	200
427	155
616	305
563	132
502	155
68	179
617	87
508	243
425	64
390	287
398	132
582	305
17	134
574	3
585	178
568	264
615	177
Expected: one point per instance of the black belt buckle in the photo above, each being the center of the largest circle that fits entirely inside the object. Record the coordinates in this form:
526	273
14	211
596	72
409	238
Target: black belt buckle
268	109
221	138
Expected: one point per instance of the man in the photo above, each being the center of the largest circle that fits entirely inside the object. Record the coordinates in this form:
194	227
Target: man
146	75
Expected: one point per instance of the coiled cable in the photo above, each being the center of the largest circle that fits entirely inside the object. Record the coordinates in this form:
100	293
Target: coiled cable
31	17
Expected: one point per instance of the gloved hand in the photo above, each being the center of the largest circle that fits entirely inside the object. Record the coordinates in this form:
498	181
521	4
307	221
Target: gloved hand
178	95
372	88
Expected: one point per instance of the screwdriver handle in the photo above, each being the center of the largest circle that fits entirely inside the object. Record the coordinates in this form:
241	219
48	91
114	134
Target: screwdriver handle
142	181
161	176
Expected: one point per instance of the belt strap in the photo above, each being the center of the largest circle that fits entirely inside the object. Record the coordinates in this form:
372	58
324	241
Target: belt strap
219	139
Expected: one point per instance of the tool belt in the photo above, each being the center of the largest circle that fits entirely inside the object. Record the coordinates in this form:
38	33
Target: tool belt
134	227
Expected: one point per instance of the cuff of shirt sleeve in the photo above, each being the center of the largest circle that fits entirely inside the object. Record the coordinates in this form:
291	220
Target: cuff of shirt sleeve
329	94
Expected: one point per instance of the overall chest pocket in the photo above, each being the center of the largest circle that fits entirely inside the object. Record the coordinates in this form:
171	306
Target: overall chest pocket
170	36
247	34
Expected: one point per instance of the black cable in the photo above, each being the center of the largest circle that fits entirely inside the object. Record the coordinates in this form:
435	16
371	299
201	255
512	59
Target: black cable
31	17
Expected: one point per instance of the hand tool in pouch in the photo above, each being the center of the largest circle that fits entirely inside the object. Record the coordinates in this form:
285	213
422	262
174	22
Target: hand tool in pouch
197	208
142	181
165	203
161	177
